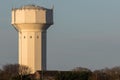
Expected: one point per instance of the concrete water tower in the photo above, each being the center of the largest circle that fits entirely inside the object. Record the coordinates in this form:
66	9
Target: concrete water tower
32	23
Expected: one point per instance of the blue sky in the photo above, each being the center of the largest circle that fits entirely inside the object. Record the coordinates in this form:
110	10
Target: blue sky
85	33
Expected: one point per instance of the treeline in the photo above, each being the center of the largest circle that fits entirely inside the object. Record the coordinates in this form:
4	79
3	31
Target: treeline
20	72
106	74
103	74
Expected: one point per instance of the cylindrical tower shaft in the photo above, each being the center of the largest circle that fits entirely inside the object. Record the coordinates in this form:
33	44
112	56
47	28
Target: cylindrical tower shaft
31	22
32	49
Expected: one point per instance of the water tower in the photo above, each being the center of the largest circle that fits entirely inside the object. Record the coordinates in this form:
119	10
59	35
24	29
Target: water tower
32	23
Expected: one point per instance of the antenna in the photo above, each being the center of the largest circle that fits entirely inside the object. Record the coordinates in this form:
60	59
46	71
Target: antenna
52	6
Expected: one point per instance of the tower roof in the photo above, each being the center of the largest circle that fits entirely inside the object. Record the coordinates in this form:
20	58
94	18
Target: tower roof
31	7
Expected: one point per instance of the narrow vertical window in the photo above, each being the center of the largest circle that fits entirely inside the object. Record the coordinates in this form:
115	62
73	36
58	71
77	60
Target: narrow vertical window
37	37
30	36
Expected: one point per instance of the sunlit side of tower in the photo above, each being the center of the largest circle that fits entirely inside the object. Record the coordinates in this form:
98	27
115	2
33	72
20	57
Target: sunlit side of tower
32	23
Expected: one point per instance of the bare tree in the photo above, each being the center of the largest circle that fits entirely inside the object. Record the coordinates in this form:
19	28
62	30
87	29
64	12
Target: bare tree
81	69
24	70
13	70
